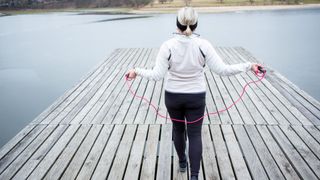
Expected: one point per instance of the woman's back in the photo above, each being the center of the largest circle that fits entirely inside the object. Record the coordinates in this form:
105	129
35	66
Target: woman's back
186	64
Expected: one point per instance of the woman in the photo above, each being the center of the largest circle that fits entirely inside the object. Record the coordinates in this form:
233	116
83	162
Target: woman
183	58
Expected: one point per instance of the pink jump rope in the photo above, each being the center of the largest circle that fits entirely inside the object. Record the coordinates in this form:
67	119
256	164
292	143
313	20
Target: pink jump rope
260	74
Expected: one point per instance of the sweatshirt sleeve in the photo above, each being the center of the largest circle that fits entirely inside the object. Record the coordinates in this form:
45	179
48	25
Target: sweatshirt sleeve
161	66
216	64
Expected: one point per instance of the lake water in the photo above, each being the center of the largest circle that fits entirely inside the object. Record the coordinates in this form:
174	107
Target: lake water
43	55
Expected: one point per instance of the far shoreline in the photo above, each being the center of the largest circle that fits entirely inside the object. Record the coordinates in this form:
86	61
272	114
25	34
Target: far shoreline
162	10
223	9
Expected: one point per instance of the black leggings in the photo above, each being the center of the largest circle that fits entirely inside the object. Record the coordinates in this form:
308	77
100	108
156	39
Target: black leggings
190	107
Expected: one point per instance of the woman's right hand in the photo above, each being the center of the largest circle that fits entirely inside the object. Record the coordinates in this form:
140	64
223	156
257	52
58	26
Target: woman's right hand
254	67
131	74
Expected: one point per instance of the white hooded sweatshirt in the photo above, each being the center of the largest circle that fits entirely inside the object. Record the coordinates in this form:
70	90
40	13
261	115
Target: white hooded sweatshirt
183	58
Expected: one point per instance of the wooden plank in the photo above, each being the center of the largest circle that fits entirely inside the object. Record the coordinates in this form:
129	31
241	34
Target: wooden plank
120	113
119	77
265	157
275	101
15	140
304	151
242	109
119	163
292	109
253	161
213	89
108	154
314	132
83	82
294	102
298	99
279	157
53	154
63	161
224	163
208	155
313	145
103	91
74	95
264	98
20	147
278	104
76	106
201	173
93	157
253	111
263	109
278	81
253	96
136	154
297	161
240	106
206	117
164	161
177	175
272	108
116	84
249	103
119	108
211	105
144	106
134	107
239	165
288	82
227	99
79	157
115	94
304	97
150	154
25	155
162	107
40	153
152	115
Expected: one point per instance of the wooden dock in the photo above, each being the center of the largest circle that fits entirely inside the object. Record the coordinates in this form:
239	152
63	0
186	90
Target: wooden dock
97	130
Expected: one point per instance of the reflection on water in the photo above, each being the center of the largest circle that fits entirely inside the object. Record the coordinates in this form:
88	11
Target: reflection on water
121	18
42	56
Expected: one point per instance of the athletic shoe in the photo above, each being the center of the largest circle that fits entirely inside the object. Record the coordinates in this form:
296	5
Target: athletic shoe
194	177
183	166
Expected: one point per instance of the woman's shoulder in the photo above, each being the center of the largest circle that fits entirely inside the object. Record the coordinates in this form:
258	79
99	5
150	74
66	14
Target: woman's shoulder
202	42
168	43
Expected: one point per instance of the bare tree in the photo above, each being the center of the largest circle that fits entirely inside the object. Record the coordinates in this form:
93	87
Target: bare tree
187	2
162	1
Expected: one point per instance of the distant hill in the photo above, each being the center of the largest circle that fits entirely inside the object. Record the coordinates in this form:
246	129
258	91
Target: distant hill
47	4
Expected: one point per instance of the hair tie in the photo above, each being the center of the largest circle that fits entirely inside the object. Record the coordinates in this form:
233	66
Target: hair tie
184	27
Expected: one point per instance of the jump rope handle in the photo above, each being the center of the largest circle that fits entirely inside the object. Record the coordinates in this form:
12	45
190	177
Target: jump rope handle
261	69
127	76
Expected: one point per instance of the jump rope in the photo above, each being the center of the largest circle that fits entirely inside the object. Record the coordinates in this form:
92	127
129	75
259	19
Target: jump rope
260	74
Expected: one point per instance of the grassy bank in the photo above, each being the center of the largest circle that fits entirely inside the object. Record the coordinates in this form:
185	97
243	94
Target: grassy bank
200	6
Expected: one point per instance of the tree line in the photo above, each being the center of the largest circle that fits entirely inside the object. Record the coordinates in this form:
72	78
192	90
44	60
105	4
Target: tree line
20	4
71	3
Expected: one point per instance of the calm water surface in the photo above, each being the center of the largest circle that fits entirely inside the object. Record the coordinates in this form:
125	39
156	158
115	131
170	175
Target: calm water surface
42	56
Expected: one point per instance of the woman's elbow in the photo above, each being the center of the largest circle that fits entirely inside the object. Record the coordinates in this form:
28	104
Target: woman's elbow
156	78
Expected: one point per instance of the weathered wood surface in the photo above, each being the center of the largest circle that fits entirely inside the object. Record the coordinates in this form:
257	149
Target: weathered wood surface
97	130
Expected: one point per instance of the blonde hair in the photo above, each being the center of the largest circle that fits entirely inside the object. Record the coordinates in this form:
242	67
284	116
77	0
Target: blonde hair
187	16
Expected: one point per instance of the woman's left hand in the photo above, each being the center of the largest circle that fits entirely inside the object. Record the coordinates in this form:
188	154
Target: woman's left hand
131	74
